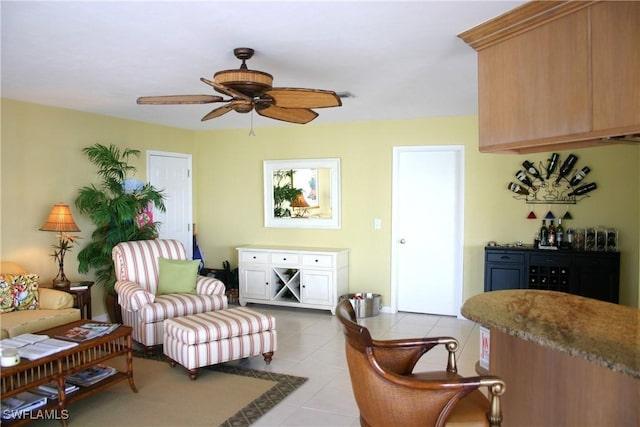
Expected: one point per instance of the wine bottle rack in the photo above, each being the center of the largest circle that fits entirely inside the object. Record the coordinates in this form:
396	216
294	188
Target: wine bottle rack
547	191
287	282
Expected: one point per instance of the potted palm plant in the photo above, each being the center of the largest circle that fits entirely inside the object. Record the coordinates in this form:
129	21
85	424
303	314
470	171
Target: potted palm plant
120	211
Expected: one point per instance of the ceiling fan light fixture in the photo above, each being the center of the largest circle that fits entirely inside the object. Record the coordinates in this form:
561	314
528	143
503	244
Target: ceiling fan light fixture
241	106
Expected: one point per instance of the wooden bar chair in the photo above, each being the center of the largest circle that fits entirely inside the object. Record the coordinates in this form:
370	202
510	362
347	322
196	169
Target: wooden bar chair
388	393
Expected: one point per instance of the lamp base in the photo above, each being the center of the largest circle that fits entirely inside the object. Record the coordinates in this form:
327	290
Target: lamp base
61	283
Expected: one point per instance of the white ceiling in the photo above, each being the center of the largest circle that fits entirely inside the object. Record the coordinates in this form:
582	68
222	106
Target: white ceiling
400	59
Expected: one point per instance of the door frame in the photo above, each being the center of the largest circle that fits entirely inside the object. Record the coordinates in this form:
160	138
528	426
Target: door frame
460	149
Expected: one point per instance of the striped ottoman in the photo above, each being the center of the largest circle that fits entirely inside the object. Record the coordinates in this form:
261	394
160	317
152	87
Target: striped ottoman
218	336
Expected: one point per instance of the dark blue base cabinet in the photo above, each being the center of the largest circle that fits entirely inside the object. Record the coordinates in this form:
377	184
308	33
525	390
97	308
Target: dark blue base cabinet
589	274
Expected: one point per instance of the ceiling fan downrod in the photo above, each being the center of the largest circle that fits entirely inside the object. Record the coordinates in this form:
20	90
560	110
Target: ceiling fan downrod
243	53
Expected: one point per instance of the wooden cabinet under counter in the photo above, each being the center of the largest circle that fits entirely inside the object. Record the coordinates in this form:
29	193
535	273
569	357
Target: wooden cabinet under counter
566	360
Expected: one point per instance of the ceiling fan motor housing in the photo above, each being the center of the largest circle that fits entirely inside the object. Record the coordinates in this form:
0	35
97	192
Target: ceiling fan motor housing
251	83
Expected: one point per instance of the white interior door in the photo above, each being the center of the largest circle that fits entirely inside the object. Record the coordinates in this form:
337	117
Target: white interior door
427	229
171	172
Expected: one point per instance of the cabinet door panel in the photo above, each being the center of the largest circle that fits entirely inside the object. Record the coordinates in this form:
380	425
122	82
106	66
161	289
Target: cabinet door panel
317	287
536	84
503	276
615	29
254	283
597	277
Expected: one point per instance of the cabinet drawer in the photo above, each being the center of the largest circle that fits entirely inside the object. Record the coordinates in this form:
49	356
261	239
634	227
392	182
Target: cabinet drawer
551	259
285	258
254	257
505	257
317	260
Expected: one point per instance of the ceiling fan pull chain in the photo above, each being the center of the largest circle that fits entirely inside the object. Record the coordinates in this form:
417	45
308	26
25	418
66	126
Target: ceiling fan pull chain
251	132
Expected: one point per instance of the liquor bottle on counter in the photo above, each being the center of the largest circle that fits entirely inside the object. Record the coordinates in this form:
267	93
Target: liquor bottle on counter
566	167
532	170
551	166
523	178
579	176
517	189
584	189
544	234
552	233
559	234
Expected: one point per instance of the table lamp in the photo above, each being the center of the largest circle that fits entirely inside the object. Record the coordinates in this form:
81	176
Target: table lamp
61	221
300	206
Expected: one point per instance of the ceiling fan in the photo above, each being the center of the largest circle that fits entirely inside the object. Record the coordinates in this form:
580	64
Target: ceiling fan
251	89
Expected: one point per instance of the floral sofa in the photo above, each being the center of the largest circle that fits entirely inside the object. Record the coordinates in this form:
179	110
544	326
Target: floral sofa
26	307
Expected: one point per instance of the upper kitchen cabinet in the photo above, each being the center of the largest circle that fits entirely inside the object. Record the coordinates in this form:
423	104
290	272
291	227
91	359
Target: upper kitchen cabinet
558	75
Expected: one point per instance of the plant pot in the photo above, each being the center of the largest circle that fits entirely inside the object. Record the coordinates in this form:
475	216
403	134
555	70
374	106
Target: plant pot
113	308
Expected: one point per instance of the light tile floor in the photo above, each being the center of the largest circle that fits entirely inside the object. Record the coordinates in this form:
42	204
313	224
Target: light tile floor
311	344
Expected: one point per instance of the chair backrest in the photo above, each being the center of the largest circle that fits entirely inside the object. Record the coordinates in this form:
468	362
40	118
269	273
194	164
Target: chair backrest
385	397
137	261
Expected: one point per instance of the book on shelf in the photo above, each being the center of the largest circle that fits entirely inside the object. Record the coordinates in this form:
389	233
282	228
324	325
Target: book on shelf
91	375
78	287
50	389
26	401
88	331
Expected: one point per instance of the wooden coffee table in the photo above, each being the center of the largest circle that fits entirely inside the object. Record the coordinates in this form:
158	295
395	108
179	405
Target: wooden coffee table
56	367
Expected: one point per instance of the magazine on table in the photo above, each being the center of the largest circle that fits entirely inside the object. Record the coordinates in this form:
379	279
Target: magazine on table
32	346
22	340
22	402
88	331
91	375
50	389
44	348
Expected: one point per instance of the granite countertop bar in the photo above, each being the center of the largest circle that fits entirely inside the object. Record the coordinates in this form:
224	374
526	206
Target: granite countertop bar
604	333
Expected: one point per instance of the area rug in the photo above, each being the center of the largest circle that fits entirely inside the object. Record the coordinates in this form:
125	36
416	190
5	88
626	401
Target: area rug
223	395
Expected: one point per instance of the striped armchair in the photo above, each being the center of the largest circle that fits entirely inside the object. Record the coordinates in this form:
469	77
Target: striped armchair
136	267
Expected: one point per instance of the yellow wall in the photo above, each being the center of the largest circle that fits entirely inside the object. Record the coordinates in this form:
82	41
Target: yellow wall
42	164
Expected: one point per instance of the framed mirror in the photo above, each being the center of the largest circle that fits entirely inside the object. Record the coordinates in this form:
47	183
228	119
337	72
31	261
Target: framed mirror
302	193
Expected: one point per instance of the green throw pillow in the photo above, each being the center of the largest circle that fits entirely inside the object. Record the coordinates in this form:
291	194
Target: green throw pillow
177	276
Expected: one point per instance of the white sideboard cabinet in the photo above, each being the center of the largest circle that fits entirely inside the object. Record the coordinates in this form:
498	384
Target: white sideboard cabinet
293	276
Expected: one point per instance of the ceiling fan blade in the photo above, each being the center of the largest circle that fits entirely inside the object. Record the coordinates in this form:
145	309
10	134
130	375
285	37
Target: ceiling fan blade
178	99
292	115
225	90
288	97
217	112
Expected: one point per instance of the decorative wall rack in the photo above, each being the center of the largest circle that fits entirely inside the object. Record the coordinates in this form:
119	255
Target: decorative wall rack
555	182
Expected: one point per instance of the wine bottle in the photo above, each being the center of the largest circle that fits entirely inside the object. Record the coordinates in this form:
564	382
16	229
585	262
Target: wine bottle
544	234
559	233
579	176
517	188
584	189
532	170
566	167
551	166
551	229
525	180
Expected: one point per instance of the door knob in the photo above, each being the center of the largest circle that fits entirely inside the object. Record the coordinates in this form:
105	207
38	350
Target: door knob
403	241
